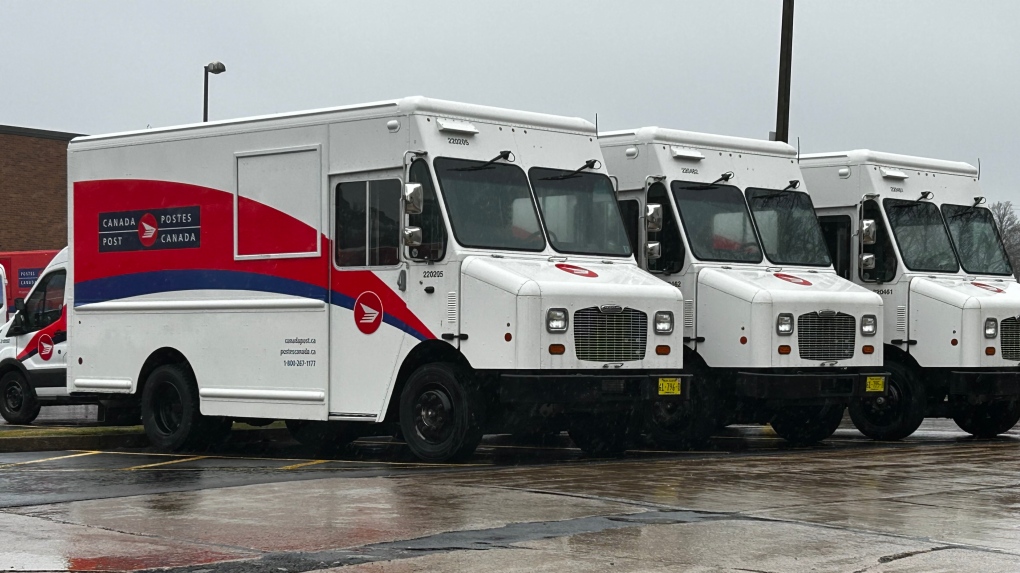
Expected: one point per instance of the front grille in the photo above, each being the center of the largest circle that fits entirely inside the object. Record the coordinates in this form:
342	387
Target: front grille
1009	331
826	336
610	337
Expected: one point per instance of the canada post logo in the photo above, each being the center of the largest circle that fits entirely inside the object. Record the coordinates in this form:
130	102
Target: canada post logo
154	229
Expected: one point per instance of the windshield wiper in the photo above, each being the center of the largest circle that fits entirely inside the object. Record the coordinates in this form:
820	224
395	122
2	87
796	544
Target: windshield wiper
794	184
504	155
590	164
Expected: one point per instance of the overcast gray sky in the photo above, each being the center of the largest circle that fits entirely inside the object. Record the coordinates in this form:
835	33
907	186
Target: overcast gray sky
934	78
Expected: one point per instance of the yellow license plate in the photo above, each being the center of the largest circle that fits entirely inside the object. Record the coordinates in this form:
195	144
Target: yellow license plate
875	384
669	386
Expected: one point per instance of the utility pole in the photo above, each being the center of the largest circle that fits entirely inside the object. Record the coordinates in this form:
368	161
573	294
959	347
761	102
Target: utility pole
785	61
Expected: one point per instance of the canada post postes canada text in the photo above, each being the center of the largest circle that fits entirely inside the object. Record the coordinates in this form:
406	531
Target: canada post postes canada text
152	229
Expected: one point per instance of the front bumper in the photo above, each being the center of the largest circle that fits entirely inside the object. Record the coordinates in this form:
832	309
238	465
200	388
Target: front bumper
811	385
591	389
985	383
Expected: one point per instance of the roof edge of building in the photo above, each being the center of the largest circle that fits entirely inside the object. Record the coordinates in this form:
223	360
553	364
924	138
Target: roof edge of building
40	133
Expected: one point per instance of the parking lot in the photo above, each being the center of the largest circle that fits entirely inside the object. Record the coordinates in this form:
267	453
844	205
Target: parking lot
937	501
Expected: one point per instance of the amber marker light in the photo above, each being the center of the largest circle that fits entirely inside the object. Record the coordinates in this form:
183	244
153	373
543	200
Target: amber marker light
784	349
990	350
508	337
662	350
557	349
868	349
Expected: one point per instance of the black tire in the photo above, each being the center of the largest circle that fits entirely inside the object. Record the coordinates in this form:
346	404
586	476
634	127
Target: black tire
323	437
896	415
988	420
602	435
18	403
170	412
680	425
441	413
806	425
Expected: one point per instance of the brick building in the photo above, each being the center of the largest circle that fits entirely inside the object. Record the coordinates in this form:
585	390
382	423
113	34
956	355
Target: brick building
33	188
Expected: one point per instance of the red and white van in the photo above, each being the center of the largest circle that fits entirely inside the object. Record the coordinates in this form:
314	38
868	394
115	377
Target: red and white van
452	268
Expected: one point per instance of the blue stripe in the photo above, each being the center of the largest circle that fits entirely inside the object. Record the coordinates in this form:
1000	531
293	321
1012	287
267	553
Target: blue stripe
124	286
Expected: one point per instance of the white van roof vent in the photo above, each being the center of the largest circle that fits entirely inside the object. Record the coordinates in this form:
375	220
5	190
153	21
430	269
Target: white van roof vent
685	153
890	173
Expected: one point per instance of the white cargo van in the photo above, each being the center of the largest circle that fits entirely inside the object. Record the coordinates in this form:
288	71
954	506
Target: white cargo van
455	268
918	233
776	335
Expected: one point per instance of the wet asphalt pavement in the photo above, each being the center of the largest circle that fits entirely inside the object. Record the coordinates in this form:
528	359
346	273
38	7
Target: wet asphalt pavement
938	501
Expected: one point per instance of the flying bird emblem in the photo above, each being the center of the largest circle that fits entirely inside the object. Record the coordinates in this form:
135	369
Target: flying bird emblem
370	314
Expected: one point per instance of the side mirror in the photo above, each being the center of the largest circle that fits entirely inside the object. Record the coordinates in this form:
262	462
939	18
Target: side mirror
653	249
17	327
867	261
412	236
653	217
413	198
869	232
19	304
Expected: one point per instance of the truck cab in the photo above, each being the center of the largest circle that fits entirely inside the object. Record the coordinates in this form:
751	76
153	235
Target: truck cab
445	268
772	334
917	232
33	347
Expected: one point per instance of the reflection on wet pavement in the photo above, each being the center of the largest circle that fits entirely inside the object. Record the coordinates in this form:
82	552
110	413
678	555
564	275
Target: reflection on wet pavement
937	502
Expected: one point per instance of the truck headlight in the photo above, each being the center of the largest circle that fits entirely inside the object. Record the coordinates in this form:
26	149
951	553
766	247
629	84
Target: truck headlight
784	324
663	322
991	328
556	320
869	325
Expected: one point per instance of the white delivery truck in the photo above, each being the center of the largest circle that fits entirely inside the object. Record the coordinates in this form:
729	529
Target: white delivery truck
776	335
916	232
33	355
454	268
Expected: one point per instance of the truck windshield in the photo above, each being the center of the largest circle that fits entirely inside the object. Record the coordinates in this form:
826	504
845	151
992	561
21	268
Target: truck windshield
716	221
977	240
921	236
580	212
490	206
788	227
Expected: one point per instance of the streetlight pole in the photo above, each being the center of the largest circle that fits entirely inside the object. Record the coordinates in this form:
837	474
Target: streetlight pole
785	65
210	68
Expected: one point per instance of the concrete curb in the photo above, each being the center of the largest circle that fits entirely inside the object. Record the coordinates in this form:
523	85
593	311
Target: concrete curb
111	441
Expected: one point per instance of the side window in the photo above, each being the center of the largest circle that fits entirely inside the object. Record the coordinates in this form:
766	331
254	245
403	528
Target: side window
836	230
885	255
367	223
46	303
673	253
430	220
629	210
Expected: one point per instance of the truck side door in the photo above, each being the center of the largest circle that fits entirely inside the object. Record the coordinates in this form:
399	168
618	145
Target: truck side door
42	342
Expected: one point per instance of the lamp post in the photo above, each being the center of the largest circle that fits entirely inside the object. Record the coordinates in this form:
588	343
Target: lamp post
210	68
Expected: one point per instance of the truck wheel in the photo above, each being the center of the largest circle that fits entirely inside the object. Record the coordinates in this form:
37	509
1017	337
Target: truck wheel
602	434
324	437
805	425
686	424
897	415
441	413
18	404
170	411
988	420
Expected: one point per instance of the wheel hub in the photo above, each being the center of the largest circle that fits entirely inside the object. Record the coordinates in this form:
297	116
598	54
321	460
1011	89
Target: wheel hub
433	421
13	397
169	410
